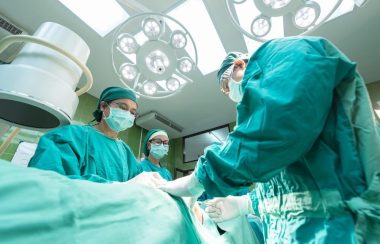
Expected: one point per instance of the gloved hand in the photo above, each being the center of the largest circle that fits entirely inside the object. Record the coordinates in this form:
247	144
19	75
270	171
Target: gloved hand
151	179
187	186
225	208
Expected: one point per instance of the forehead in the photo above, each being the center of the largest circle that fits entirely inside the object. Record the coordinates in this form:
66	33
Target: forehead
161	137
131	104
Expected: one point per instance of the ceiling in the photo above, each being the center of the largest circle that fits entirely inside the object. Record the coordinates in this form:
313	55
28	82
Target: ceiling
200	105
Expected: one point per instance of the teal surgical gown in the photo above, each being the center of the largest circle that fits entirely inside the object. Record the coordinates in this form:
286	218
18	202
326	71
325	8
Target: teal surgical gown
39	206
82	152
148	166
298	135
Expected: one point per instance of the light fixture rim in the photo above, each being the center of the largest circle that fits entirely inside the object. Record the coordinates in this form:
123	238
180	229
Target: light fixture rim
57	112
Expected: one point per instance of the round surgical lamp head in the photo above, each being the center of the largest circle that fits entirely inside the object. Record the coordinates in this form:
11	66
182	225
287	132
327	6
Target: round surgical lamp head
150	88
37	90
153	27
185	65
157	62
260	26
307	15
178	39
127	43
128	71
172	84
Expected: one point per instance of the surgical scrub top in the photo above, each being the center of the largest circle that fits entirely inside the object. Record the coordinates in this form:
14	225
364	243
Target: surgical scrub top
83	152
295	135
148	166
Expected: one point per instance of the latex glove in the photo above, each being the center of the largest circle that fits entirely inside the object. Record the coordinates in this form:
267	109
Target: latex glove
151	179
222	209
187	186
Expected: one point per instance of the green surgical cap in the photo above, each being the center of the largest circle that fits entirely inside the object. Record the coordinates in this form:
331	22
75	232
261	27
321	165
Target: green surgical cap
227	62
146	139
110	94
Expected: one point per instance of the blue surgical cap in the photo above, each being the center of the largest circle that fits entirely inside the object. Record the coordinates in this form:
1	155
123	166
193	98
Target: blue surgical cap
146	139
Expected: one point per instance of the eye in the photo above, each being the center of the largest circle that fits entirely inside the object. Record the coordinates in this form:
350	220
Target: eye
123	107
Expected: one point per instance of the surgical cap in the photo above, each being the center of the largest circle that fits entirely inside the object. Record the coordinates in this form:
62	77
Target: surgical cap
148	137
110	94
226	67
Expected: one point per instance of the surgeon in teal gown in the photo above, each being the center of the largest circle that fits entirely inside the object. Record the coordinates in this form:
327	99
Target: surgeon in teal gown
95	152
306	133
156	146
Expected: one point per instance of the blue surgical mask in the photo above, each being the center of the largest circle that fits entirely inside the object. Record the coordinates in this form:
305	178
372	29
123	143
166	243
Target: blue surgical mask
119	120
158	151
236	91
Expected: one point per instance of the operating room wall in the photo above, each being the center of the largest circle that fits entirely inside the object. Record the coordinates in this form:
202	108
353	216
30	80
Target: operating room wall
374	92
176	154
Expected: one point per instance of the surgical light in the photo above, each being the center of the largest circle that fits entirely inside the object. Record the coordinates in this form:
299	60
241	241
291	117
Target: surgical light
128	71
152	28
157	60
172	84
150	88
306	15
127	43
185	65
37	90
263	20
261	26
178	39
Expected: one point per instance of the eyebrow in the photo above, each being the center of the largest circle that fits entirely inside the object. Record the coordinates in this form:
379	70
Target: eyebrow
126	105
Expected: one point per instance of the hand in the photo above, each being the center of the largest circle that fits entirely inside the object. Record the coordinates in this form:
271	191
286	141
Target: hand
222	209
193	205
187	186
151	179
238	70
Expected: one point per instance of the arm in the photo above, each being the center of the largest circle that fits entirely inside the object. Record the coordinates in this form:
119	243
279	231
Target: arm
288	91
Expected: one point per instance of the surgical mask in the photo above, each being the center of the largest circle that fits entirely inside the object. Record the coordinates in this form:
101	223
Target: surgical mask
158	151
236	92
119	119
